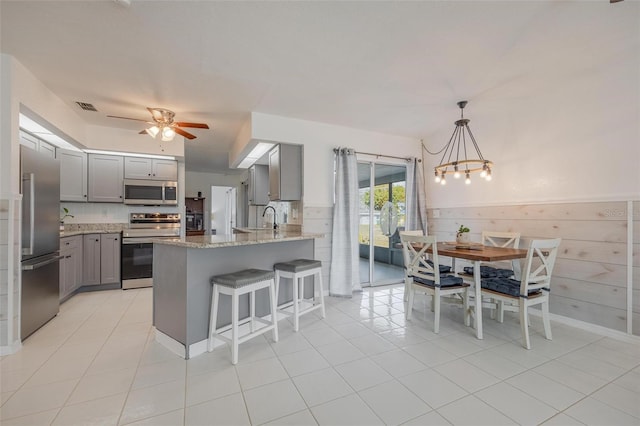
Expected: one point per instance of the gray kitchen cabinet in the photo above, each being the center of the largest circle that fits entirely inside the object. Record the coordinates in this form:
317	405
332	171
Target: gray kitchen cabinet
150	168
37	144
285	173
70	265
258	185
106	178
91	259
109	258
101	260
73	175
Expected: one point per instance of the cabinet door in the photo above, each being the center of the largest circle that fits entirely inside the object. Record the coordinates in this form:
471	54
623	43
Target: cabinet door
110	258
73	175
259	185
63	274
274	174
27	140
165	170
78	261
106	183
138	168
47	149
91	259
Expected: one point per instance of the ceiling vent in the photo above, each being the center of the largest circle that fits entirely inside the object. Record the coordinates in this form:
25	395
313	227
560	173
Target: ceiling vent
86	106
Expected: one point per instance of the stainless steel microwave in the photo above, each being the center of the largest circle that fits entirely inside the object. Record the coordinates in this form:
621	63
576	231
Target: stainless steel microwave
150	192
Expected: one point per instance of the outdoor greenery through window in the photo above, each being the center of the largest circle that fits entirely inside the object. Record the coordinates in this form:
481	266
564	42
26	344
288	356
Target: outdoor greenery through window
393	192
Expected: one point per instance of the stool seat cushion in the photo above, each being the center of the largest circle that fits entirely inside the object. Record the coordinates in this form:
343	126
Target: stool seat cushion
298	265
242	278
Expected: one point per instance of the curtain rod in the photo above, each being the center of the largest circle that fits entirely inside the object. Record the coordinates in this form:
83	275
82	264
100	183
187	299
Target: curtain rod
381	155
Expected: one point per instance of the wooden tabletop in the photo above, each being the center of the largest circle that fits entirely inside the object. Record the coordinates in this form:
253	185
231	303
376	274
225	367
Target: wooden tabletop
481	253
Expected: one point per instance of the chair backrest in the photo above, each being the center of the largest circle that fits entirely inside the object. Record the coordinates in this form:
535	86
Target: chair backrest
539	278
414	252
504	239
501	239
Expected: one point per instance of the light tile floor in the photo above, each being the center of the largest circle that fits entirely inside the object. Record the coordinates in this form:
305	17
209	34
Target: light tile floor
97	363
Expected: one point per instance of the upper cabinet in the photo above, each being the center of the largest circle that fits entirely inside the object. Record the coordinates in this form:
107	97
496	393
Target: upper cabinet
106	183
258	185
285	173
73	175
150	168
37	144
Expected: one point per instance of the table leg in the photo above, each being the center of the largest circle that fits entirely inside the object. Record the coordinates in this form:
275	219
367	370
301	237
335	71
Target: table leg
478	297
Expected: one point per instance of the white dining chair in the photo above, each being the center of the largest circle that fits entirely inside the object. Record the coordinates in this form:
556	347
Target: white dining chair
532	289
424	275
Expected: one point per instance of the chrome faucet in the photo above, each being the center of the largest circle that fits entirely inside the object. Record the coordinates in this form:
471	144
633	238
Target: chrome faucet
275	225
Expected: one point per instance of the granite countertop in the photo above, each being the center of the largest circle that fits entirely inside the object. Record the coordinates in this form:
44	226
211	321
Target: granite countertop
85	231
240	239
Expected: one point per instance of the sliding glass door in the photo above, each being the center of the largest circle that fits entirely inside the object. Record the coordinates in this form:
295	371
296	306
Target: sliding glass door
381	217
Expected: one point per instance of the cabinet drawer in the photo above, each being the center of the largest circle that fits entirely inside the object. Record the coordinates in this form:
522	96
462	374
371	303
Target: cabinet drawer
68	243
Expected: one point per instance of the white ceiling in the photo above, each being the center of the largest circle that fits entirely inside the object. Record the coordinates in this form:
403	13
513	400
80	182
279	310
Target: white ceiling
392	67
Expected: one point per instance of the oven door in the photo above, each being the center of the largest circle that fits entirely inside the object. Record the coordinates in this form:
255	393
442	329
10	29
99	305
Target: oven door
137	263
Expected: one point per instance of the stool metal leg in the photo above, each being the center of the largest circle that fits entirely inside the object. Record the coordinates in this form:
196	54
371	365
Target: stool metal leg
234	328
213	317
274	310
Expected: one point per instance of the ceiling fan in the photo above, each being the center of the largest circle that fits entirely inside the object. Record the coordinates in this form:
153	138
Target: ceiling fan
164	125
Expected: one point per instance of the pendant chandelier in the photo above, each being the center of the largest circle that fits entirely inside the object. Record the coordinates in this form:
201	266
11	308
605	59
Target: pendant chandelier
455	154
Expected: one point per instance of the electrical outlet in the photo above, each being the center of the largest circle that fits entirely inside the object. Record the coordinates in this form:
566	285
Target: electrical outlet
436	214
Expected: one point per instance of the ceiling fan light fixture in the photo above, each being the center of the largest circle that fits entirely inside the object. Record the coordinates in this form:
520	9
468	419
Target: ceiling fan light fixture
168	134
153	131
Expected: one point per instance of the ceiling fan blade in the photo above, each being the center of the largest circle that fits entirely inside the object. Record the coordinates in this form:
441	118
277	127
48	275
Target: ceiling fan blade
614	1
142	132
194	125
183	133
127	118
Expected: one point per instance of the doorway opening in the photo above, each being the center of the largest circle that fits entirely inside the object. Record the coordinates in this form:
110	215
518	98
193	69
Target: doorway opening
382	207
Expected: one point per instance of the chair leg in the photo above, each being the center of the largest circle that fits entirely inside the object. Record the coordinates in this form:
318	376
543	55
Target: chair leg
433	302
409	303
277	285
436	304
274	310
234	328
296	306
252	313
500	311
214	317
465	307
322	311
523	324
545	319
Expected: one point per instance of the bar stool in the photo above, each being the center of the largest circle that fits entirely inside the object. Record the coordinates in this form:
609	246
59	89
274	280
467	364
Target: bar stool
297	270
235	285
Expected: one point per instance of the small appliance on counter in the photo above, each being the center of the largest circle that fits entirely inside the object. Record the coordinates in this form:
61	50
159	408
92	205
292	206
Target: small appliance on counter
40	265
137	248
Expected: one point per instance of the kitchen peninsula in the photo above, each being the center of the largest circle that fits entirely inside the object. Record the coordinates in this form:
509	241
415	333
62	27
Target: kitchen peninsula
182	268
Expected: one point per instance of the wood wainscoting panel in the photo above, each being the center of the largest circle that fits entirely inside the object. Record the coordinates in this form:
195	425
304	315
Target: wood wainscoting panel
590	276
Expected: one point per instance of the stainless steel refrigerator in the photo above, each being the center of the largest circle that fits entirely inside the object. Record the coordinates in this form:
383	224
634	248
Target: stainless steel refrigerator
40	176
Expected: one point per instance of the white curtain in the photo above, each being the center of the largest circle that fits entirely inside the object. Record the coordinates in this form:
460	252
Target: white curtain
345	270
416	214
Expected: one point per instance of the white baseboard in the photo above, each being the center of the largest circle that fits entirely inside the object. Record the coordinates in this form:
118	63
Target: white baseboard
598	329
170	343
10	349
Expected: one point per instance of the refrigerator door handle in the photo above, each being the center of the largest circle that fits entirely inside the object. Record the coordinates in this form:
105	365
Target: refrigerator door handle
33	266
31	178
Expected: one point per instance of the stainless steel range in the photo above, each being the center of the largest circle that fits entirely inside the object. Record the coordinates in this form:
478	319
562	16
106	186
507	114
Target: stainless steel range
137	248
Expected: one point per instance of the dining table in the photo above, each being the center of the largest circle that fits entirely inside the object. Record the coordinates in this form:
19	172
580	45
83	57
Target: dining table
478	253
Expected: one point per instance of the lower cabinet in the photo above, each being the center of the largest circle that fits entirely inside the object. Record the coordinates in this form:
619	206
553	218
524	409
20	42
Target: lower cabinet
70	265
101	263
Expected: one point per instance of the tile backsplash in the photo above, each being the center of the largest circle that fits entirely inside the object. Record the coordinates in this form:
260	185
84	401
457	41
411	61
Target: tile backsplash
107	212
